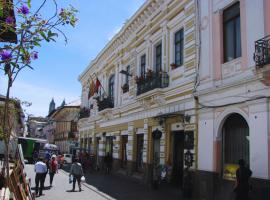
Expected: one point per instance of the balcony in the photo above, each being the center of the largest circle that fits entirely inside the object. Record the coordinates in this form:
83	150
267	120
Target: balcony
105	103
262	52
84	113
262	59
151	81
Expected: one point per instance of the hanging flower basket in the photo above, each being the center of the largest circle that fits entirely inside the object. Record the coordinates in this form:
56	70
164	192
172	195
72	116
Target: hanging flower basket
149	74
139	79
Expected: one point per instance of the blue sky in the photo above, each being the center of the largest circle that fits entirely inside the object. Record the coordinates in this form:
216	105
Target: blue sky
56	71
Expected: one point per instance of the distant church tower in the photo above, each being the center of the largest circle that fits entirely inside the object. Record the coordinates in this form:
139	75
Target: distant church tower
63	103
52	106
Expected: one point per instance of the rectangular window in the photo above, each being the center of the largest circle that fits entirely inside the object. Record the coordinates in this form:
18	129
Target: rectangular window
158	59
232	32
179	48
143	64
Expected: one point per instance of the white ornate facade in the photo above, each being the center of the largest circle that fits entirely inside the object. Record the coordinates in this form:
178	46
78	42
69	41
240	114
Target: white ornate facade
162	101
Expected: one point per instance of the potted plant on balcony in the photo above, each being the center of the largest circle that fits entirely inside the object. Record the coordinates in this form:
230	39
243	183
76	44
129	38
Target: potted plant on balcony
173	66
139	79
149	74
125	88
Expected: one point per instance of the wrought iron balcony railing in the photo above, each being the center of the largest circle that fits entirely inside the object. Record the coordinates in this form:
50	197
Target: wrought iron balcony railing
152	81
262	51
105	103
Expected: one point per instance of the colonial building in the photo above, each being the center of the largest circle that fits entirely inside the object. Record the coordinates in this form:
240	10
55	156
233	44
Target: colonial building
233	92
64	125
137	93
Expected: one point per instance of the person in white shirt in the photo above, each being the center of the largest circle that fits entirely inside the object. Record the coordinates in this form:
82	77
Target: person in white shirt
41	170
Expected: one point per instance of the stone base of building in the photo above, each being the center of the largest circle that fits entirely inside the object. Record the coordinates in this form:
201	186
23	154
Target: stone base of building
130	170
211	186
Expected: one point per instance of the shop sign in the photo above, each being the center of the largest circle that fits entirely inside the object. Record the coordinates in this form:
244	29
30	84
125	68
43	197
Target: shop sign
190	127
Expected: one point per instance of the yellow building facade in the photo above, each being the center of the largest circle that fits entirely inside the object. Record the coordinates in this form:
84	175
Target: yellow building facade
65	123
138	92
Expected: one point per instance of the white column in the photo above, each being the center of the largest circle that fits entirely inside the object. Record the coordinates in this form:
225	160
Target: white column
165	44
145	139
130	149
258	124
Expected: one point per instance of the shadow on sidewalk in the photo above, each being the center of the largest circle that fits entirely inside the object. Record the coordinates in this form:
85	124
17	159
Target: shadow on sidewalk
121	187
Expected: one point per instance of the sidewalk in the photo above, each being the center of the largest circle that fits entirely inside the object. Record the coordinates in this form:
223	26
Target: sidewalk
121	187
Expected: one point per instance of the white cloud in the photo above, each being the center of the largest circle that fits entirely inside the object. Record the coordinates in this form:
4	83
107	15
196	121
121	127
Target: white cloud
39	96
114	32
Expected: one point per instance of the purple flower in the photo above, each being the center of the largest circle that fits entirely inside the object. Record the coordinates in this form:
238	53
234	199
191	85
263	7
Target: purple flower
34	55
24	10
9	20
5	55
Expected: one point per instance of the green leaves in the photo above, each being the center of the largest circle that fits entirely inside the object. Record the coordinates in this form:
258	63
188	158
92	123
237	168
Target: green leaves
1	9
31	30
29	3
50	36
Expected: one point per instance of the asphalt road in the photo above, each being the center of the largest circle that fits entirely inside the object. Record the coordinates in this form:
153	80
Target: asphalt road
61	188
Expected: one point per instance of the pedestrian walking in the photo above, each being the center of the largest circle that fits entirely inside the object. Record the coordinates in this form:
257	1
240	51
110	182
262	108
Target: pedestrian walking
242	185
108	162
53	168
41	170
77	172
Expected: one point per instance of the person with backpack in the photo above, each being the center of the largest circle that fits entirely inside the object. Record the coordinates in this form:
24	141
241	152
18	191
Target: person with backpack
53	168
77	172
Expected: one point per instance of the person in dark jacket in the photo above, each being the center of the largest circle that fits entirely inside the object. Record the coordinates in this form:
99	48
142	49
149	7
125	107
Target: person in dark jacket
77	172
108	162
243	174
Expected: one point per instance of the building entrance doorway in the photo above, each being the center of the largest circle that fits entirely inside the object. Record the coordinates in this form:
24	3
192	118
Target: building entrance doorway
235	144
178	158
139	156
124	143
109	145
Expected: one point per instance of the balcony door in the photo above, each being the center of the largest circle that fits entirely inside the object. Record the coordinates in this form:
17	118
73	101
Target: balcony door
158	58
111	88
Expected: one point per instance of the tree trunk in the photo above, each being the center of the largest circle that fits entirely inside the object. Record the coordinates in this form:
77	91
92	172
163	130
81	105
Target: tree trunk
7	131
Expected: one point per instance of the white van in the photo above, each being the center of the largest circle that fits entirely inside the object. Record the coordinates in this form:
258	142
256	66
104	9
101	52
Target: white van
67	158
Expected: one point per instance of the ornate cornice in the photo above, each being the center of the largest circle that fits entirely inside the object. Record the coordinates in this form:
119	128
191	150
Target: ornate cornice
128	31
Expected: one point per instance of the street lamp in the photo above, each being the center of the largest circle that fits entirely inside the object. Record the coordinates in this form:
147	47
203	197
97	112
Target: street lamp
125	72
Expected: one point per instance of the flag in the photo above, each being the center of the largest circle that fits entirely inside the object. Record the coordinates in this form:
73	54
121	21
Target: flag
97	86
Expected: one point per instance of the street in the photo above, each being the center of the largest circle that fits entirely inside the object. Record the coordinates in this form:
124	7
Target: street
100	186
61	187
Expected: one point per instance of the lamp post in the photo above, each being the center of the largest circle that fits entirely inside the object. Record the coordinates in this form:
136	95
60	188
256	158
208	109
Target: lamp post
125	73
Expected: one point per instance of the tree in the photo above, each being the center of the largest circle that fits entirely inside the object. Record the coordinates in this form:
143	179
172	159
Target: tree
30	29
